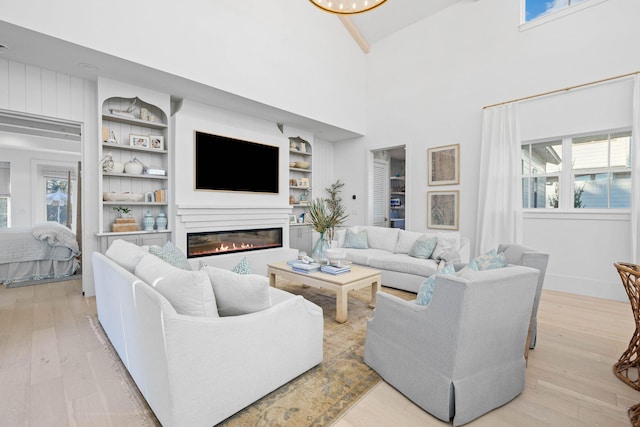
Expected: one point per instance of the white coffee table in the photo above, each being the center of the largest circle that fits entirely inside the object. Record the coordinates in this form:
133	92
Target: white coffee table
358	278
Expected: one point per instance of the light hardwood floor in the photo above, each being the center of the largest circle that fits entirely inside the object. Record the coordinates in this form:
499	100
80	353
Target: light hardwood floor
54	372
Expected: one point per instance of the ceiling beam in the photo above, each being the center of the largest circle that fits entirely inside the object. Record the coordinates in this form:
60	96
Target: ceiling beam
355	33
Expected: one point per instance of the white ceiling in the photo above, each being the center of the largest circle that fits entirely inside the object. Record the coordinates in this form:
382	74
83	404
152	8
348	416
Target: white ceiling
34	48
395	15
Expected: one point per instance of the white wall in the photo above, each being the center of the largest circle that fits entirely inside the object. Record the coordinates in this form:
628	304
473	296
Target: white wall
427	86
283	53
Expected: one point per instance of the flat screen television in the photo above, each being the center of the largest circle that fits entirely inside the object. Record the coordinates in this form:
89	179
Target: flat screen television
229	164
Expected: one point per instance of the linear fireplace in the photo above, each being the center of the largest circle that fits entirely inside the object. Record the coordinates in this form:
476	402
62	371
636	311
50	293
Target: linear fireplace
232	241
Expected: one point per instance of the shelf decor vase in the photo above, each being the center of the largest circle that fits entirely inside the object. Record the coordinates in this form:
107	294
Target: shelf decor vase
318	249
148	222
161	221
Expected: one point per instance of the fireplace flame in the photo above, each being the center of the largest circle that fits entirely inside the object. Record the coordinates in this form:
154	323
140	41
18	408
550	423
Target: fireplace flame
233	247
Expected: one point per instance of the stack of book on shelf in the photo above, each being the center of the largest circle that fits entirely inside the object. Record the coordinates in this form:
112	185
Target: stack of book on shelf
331	269
160	196
303	267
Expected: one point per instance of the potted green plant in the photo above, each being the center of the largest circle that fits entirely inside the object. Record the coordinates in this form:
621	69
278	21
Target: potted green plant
123	212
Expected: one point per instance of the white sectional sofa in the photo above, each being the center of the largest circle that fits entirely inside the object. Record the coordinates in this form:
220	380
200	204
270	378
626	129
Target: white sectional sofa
198	369
388	251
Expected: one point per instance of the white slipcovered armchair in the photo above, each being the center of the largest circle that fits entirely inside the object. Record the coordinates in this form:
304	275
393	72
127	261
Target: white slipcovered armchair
461	355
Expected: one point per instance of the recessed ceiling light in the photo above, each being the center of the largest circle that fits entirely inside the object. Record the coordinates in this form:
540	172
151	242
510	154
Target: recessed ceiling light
89	67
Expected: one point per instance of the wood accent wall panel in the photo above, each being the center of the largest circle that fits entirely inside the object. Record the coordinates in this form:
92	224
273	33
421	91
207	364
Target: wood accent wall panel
17	86
49	93
34	94
35	90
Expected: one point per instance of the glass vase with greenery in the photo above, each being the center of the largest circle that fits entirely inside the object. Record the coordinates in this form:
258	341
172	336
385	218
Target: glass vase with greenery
325	214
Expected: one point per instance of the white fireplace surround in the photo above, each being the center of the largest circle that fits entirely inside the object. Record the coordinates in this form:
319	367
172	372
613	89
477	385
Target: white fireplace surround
203	218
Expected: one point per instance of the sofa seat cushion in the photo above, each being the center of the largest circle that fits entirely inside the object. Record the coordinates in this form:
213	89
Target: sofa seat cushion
189	292
361	256
238	294
403	264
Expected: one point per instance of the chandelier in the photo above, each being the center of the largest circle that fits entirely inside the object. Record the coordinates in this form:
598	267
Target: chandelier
347	7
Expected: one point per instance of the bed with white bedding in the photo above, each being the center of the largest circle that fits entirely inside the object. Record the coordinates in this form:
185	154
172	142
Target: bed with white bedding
45	251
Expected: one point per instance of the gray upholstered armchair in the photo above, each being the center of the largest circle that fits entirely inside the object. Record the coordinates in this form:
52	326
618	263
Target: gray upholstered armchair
461	355
522	255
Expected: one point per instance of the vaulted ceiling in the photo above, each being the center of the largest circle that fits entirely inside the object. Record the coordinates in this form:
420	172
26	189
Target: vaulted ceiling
368	28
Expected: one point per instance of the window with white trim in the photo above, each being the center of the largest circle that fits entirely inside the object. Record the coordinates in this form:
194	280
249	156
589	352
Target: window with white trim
596	173
543	10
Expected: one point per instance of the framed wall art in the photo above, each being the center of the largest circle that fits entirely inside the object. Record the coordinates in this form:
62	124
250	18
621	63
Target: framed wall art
443	210
443	165
140	141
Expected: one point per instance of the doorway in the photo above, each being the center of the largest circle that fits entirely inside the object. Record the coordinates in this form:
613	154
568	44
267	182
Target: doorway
388	207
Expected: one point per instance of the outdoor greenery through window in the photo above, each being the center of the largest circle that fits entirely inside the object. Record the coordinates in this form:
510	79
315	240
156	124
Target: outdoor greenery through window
57	199
538	8
596	172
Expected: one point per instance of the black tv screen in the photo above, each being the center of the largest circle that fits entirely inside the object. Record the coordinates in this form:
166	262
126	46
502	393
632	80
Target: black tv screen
228	164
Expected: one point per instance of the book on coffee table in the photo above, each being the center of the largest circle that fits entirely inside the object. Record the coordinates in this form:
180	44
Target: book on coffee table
335	270
302	267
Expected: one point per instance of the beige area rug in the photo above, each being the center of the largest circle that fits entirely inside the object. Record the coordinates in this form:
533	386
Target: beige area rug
316	398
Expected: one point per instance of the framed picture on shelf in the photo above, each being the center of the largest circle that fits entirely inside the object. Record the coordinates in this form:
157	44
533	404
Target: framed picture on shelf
292	219
157	142
140	141
443	165
303	182
443	210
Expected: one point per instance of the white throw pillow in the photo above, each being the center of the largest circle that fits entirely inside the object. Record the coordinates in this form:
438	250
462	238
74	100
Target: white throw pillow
448	243
189	292
406	239
126	254
238	293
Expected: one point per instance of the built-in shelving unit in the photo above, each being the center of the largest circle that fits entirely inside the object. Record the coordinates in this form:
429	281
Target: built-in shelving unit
140	133
299	177
397	202
300	192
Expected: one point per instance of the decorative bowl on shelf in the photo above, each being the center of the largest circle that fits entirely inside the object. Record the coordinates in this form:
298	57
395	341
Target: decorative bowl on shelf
133	168
292	164
122	197
118	167
303	165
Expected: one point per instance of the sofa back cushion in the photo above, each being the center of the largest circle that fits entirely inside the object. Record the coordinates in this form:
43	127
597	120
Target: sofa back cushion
189	292
382	237
238	294
126	254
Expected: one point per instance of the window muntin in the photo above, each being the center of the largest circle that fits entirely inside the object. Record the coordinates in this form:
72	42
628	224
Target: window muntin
599	176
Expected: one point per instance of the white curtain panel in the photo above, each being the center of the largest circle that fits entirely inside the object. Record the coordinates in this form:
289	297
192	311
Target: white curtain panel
500	184
635	171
